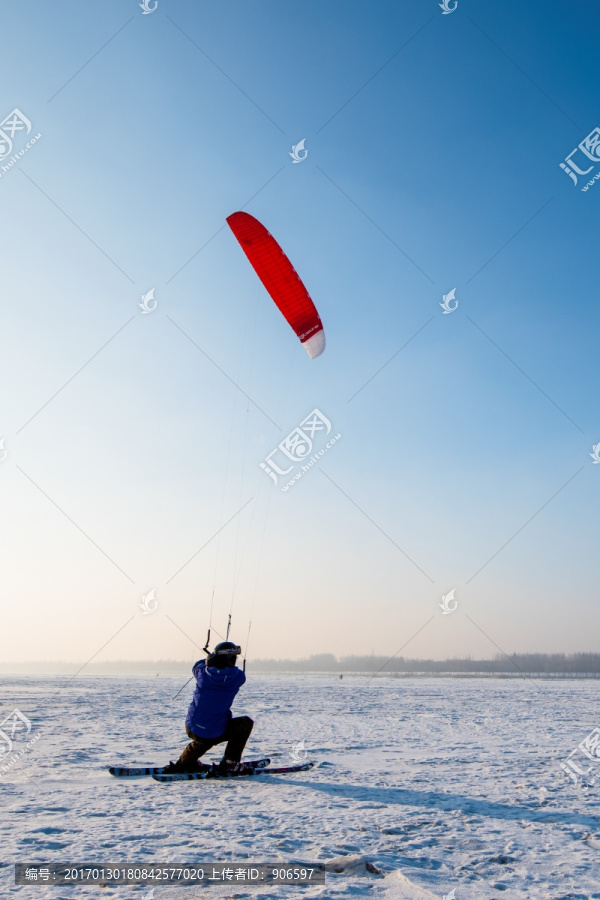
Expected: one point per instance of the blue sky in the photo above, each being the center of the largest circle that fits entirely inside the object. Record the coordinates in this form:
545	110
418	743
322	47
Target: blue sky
434	144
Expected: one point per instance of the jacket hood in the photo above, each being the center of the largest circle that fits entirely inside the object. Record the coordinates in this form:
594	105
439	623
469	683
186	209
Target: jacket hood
229	676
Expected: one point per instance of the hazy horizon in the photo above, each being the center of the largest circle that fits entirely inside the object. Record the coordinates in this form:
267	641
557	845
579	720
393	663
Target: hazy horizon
516	664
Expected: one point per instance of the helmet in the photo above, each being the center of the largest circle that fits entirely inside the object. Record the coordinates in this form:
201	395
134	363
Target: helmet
224	655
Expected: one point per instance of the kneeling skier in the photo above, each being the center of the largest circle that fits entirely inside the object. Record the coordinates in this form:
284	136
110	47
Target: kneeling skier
209	720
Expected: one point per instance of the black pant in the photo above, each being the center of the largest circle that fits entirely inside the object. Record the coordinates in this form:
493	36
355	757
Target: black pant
236	734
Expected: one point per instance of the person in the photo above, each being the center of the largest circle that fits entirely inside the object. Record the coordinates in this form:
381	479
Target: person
209	720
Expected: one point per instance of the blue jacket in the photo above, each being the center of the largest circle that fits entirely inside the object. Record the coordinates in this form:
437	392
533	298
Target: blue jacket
210	710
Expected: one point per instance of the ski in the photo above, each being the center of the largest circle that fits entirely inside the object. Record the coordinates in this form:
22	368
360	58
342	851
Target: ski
133	772
214	772
130	772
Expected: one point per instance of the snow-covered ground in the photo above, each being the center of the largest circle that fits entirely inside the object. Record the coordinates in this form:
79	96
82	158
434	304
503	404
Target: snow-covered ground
442	784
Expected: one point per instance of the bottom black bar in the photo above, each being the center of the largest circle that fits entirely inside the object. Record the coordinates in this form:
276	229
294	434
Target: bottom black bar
46	874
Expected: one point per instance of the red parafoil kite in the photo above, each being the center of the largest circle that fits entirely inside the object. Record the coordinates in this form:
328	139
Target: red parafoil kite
280	279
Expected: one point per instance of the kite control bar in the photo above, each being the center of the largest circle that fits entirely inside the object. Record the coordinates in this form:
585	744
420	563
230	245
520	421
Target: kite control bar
205	649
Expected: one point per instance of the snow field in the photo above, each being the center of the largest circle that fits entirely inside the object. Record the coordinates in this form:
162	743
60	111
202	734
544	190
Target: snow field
436	783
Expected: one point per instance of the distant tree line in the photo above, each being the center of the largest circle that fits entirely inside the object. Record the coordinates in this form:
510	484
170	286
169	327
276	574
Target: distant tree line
576	664
529	663
107	667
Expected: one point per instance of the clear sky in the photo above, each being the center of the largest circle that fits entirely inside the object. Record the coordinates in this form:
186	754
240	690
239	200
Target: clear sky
434	143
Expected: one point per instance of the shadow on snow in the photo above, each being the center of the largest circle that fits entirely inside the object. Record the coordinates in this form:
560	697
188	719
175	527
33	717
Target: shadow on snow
435	800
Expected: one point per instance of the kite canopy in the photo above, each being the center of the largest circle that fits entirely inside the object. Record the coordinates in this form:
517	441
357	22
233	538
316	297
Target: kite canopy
280	279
